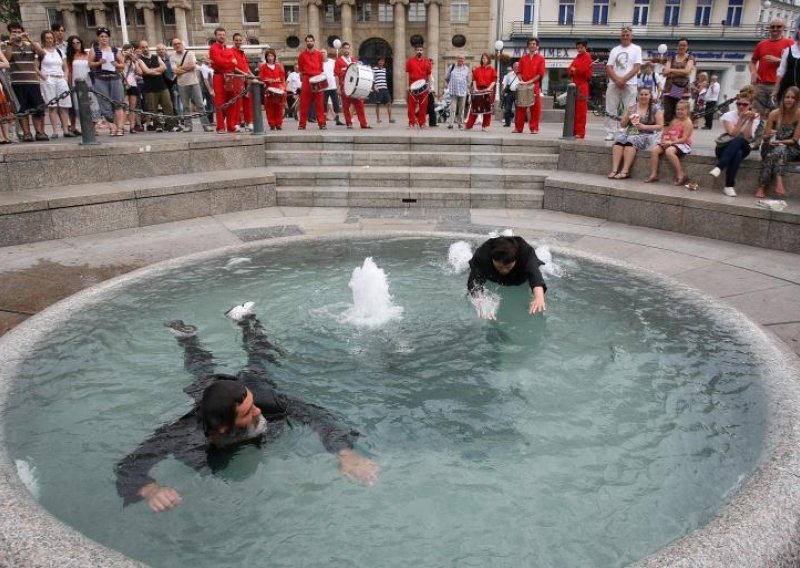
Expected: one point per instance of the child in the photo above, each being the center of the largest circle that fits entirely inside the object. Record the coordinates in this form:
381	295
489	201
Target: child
675	143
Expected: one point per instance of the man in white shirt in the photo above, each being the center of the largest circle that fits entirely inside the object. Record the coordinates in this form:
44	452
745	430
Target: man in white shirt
207	87
510	84
622	69
331	93
712	96
293	84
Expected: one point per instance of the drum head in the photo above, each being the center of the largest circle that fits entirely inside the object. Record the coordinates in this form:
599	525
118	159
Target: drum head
276	91
416	85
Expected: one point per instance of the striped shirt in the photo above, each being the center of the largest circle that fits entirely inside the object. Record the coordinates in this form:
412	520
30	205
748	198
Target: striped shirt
23	65
379	78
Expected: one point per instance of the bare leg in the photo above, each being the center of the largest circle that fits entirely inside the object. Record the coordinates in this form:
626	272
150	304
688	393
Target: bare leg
655	155
628	155
780	189
675	162
616	158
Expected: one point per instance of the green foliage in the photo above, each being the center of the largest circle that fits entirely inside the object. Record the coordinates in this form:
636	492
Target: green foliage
9	11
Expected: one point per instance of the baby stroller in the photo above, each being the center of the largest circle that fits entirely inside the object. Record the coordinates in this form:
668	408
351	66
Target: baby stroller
443	108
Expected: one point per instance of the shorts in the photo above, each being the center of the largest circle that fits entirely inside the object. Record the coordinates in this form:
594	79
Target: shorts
382	97
53	87
29	96
133	91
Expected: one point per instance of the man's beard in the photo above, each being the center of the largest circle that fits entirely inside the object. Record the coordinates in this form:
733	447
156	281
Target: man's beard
238	435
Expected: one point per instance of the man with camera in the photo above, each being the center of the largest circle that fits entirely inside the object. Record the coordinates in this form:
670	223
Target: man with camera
22	55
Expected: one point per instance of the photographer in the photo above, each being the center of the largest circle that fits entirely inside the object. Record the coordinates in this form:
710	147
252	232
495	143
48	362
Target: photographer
21	53
132	78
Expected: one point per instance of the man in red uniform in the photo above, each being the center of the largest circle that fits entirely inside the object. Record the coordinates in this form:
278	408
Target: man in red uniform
223	60
246	102
484	78
309	63
342	64
531	71
581	72
418	67
764	66
272	75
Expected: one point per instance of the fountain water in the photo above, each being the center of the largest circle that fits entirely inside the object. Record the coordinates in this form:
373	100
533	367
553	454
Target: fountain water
372	302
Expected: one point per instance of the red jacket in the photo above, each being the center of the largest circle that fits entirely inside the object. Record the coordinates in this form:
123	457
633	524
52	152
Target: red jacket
341	68
272	77
222	58
418	69
309	63
581	68
483	76
530	67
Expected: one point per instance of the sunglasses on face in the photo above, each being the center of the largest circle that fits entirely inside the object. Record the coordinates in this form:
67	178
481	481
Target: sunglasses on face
742	104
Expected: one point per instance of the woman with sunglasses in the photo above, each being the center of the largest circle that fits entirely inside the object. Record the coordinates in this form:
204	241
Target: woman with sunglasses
78	69
740	125
780	137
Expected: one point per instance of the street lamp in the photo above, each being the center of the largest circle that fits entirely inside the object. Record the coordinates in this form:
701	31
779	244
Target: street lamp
337	44
498	49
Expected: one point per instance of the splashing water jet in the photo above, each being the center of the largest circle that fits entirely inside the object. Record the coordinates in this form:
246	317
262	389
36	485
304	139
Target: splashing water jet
372	302
458	255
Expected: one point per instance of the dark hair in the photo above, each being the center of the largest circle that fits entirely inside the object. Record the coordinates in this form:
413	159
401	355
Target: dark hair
14	26
536	39
103	30
218	29
311	36
680	39
71	51
272	52
56	26
347	43
44	35
238	34
488	58
583	42
219	402
504	250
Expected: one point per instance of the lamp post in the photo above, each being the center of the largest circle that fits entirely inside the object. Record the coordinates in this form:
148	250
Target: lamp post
498	49
337	44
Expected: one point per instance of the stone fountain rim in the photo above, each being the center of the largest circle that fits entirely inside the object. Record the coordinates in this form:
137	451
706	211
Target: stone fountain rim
758	526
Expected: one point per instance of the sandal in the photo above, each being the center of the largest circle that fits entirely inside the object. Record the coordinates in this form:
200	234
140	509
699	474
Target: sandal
651	179
681	181
622	175
612	175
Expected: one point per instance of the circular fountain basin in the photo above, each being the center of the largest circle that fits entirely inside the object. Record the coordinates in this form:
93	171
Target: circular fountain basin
630	416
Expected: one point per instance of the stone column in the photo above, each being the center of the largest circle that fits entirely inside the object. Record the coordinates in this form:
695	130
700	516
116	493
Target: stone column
347	21
149	22
399	55
99	12
181	8
70	22
313	22
433	40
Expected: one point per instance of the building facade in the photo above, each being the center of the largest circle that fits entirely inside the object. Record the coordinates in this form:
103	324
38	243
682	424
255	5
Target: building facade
722	33
388	28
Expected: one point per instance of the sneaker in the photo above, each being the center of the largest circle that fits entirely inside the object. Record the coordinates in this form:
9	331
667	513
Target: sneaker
609	137
715	173
180	329
729	191
239	312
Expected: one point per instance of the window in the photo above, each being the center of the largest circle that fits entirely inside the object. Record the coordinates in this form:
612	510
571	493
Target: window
566	12
130	19
210	14
459	11
641	9
527	14
250	13
734	17
333	13
672	12
91	20
385	12
53	17
600	13
702	15
291	12
364	11
416	12
167	15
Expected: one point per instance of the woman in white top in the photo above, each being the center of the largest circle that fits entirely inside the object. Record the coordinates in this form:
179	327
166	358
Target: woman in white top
740	126
78	69
53	69
106	62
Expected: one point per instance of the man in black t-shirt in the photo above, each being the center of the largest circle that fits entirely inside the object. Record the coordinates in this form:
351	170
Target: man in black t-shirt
156	92
508	261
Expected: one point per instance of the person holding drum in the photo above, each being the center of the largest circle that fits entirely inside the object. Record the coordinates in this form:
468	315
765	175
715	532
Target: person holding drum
581	72
342	65
419	69
271	74
224	62
246	102
484	79
309	64
529	91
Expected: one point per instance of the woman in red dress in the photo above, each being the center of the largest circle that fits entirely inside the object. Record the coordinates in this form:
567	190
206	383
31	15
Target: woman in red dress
272	75
484	78
581	72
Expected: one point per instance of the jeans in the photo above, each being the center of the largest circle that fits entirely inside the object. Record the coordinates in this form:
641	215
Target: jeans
193	94
710	106
508	107
731	157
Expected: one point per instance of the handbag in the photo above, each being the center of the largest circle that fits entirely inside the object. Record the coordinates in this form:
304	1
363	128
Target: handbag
722	140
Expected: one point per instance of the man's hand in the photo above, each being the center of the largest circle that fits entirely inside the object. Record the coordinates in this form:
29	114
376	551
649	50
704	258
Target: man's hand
537	304
358	467
160	497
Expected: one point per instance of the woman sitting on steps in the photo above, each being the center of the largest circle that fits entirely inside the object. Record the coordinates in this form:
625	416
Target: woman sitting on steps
641	122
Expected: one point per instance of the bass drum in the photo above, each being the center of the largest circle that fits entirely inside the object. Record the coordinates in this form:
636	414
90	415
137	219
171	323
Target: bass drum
526	96
358	80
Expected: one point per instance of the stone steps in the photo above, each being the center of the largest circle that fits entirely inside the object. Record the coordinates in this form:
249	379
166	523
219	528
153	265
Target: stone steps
365	196
414	159
705	213
409	177
72	210
452	142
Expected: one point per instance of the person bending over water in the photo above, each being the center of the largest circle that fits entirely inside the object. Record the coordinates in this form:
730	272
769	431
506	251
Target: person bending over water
508	261
230	411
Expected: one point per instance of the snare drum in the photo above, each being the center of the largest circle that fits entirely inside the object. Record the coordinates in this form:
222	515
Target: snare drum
481	102
526	96
318	83
358	81
419	88
275	94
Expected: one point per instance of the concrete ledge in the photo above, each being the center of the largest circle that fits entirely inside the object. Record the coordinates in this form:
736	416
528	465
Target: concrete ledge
703	214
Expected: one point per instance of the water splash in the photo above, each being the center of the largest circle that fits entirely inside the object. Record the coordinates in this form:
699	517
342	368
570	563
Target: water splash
549	267
458	255
372	302
503	233
486	304
237	262
27	474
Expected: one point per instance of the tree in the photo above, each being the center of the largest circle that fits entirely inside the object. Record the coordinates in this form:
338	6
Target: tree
9	11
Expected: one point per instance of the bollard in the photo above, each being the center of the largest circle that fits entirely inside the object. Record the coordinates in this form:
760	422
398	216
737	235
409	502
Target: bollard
85	114
257	94
569	112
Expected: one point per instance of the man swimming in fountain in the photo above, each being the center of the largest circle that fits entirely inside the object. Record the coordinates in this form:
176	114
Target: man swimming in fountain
508	261
230	411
